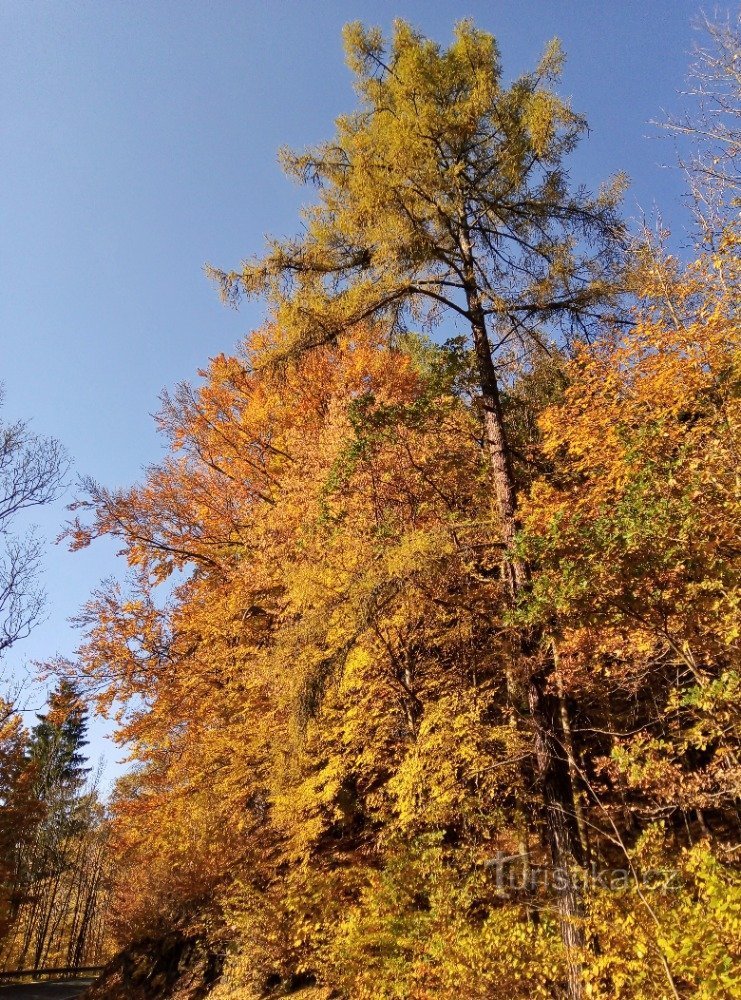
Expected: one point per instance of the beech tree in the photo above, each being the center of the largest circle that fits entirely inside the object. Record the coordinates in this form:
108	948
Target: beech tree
319	710
446	196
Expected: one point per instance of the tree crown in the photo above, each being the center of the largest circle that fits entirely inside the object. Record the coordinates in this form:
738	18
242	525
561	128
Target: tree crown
442	181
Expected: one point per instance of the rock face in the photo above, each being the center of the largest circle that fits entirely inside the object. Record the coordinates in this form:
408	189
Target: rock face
176	966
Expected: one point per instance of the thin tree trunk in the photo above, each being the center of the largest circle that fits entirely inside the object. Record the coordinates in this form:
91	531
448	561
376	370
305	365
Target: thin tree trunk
94	871
552	768
79	883
568	743
562	835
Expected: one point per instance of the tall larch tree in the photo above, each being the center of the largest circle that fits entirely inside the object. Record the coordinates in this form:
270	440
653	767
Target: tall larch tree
445	196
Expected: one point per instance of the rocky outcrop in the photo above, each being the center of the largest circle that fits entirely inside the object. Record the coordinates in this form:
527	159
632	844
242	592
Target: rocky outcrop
176	966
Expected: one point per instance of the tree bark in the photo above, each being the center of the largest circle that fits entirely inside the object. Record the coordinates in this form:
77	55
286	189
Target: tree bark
552	766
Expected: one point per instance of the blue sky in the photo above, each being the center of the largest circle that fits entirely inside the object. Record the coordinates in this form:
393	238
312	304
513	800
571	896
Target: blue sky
139	141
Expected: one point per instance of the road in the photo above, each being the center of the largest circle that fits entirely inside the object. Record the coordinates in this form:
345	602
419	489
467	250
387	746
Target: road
45	991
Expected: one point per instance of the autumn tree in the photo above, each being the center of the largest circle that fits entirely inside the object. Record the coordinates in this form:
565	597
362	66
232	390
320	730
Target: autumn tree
20	810
635	539
339	621
318	507
446	196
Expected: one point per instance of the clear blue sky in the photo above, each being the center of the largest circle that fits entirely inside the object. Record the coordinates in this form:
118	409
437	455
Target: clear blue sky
138	142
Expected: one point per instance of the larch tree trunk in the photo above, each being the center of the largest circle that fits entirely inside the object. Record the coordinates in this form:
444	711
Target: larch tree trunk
543	707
